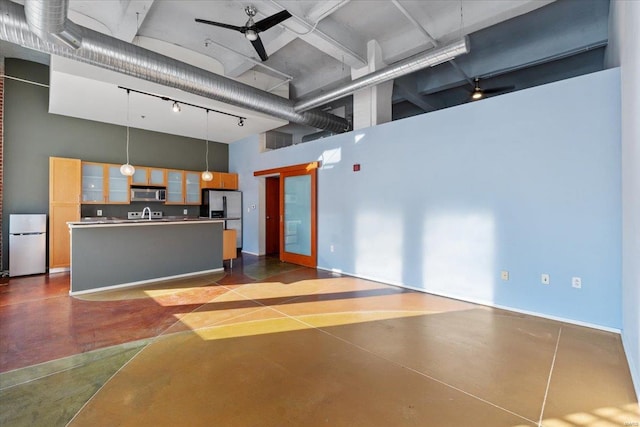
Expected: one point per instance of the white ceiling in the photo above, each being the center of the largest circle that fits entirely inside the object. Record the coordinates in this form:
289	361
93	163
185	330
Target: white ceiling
314	50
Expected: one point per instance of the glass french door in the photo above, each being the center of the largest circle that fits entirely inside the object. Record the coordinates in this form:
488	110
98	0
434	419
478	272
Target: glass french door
298	217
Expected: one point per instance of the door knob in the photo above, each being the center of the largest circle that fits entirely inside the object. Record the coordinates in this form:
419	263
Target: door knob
268	217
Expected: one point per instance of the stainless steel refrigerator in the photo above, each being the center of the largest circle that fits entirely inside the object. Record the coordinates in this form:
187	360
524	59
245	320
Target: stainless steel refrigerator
27	244
226	205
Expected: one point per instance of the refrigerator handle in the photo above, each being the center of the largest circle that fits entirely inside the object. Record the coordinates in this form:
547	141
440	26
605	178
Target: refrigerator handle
224	206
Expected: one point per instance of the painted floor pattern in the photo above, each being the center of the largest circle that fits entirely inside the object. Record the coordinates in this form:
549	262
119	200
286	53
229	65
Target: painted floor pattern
273	344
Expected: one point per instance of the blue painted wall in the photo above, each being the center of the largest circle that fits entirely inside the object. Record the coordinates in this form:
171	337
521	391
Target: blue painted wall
528	182
623	50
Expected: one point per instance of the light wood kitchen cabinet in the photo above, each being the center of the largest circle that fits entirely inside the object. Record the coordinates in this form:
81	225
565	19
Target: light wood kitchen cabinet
192	188
104	184
65	190
149	176
229	250
183	187
222	181
175	187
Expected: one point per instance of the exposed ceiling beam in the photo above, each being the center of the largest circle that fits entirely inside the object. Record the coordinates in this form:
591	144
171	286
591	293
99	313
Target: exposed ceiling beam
296	27
134	15
407	94
429	37
244	64
518	43
339	47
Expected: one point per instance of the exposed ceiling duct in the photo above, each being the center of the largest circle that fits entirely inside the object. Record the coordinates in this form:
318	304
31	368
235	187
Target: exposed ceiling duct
116	55
43	25
49	22
399	69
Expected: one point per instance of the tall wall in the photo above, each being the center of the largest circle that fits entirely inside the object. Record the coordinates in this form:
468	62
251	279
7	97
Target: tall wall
32	135
624	51
527	182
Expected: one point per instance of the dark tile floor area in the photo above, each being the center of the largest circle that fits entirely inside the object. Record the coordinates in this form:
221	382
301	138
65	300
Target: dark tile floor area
273	344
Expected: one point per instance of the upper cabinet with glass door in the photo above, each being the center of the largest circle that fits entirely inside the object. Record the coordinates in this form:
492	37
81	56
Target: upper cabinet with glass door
149	176
93	183
192	188
175	187
104	184
183	188
117	186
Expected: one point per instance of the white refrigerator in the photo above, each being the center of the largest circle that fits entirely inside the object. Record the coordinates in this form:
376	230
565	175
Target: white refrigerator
27	244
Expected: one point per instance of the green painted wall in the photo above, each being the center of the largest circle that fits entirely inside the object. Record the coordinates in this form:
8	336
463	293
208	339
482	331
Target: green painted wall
32	135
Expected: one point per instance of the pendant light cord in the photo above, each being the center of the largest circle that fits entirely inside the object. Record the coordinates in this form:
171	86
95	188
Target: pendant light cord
128	126
207	140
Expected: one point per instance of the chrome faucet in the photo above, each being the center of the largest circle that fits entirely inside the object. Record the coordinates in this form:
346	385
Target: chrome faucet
147	209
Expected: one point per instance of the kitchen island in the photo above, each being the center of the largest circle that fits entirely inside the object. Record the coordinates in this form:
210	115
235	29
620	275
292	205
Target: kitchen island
111	253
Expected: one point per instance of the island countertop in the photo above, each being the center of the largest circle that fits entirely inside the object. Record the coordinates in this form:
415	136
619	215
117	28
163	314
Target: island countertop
112	221
114	253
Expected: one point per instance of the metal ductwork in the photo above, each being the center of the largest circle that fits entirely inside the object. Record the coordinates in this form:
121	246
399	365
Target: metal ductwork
48	20
113	54
414	63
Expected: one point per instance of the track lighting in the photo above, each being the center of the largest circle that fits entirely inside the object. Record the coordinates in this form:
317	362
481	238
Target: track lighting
177	107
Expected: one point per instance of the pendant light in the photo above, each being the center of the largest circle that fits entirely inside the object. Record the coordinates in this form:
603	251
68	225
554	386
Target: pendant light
206	175
127	169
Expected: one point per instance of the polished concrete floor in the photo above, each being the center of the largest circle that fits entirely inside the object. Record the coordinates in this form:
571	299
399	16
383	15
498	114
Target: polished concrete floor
273	344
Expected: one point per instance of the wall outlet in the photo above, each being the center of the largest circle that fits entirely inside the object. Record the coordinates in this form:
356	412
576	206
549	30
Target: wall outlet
185	212
545	279
99	212
576	282
504	275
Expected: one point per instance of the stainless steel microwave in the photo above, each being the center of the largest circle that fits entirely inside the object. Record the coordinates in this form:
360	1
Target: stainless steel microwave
148	195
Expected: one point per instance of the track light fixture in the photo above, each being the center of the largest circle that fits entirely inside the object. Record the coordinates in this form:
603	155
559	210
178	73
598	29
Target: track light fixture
177	106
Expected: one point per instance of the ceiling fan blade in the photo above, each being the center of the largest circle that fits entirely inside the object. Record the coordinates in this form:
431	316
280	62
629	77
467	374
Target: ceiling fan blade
493	90
220	24
272	20
259	47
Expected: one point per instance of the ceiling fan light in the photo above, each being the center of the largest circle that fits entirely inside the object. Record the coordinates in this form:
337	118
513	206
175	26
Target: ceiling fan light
251	35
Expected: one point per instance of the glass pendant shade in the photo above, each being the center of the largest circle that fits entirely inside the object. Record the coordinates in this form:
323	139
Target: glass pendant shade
207	176
127	170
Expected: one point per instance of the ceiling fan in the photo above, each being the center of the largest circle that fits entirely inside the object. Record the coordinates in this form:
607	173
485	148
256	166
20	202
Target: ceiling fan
479	93
251	29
